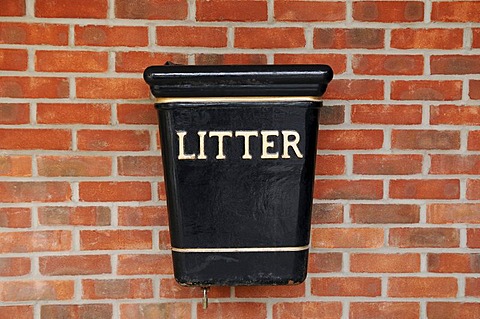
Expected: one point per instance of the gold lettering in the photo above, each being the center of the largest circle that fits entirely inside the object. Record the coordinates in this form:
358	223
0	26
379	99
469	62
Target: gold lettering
293	144
266	144
201	144
246	146
220	135
181	147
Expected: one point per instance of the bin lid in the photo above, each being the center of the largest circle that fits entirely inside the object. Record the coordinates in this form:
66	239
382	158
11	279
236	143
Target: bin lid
173	80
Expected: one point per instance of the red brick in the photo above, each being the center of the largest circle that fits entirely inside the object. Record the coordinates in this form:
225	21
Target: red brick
114	191
347	237
425	140
377	64
157	140
146	264
71	61
384	310
473	238
143	216
33	87
84	311
287	291
453	263
214	59
473	143
115	239
15	217
161	191
173	310
58	166
384	213
391	164
35	139
457	310
137	114
355	90
76	216
111	88
307	309
331	115
247	38
323	263
12	8
433	38
73	113
348	189
75	265
250	310
473	189
453	213
14	113
13	59
385	263
474	89
14	266
348	38
330	165
327	213
107	36
476	39
338	62
169	288
164	240
36	290
472	287
211	37
425	189
140	166
17	312
346	286
17	192
416	287
454	115
35	241
458	11
426	90
388	11
386	114
113	140
424	237
308	11
350	139
96	9
455	164
151	9
141	288
231	10
138	61
20	165
455	64
33	33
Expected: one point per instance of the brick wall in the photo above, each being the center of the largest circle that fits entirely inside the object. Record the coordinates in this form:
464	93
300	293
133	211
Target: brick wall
83	226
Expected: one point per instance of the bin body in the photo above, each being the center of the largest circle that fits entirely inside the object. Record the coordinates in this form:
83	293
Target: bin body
239	177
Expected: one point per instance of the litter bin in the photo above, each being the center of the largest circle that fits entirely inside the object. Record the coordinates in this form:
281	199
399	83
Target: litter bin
238	149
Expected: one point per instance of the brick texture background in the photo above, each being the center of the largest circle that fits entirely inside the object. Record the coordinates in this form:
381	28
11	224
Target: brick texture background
396	221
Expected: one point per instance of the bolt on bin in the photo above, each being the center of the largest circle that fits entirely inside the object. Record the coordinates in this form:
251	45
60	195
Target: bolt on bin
238	149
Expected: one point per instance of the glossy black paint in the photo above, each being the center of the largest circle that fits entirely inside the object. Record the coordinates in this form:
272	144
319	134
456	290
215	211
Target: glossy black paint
240	269
238	80
235	202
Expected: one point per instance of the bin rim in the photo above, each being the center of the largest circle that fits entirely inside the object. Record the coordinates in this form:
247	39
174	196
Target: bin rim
238	80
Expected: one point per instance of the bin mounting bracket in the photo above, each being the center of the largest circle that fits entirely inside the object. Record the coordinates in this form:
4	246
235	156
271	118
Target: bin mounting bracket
205	297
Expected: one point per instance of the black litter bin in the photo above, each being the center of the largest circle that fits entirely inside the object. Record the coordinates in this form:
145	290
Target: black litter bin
239	148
